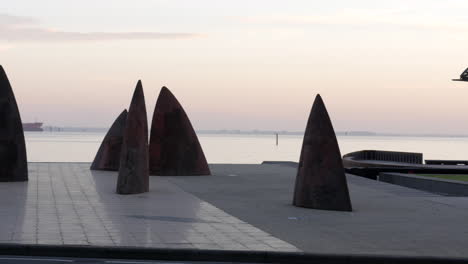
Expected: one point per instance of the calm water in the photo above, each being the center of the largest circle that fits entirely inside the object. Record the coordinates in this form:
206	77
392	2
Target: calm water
81	147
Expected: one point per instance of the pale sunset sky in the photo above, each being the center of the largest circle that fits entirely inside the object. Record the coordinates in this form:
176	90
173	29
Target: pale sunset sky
382	66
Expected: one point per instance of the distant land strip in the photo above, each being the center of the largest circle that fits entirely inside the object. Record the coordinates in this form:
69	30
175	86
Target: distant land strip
266	132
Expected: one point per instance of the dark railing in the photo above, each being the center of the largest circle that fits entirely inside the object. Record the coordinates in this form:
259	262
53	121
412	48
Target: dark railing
393	156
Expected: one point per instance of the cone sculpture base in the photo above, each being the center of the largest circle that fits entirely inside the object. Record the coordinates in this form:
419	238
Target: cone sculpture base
108	155
13	162
321	181
174	147
133	171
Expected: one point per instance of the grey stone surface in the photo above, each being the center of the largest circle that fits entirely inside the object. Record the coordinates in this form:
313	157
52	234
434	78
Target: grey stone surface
387	219
430	184
66	203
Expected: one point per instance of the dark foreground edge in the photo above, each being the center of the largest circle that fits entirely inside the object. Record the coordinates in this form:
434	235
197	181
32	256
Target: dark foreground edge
138	253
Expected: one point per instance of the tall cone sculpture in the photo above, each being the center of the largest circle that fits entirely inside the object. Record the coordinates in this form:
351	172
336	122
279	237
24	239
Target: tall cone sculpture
174	147
13	162
321	181
133	170
108	155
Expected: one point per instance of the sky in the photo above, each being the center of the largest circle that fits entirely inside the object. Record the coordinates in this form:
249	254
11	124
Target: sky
382	66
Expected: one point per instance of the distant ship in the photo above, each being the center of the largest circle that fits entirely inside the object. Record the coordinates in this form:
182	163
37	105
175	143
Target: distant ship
36	126
463	76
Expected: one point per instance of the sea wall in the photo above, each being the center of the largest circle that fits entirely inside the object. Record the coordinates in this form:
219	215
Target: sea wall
429	184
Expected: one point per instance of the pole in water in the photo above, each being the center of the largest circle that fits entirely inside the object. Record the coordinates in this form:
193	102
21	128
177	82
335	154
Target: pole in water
276	139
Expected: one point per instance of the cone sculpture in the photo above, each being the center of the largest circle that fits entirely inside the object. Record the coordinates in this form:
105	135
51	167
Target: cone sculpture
321	181
13	162
133	170
174	147
108	155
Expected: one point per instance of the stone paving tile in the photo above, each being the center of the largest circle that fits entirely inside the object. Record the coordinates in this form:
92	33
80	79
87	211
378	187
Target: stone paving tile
66	203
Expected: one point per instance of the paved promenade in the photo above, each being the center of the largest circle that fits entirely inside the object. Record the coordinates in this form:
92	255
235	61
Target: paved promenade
66	203
246	207
386	218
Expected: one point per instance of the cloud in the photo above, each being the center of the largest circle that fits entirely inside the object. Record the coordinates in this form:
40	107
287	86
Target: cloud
4	47
6	19
403	19
27	29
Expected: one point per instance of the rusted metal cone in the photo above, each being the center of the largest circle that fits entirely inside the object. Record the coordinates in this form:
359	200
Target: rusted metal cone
321	181
133	169
108	155
13	162
174	147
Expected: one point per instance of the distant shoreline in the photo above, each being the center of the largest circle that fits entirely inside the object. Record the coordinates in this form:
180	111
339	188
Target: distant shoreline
266	132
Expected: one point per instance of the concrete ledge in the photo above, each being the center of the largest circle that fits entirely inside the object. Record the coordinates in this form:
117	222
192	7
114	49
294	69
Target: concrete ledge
373	172
434	185
210	255
282	163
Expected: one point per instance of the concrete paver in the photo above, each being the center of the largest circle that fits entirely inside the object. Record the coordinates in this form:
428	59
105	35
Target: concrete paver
66	203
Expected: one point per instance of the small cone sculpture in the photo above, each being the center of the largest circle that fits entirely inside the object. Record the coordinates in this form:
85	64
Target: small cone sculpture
13	162
133	170
321	181
108	155
174	147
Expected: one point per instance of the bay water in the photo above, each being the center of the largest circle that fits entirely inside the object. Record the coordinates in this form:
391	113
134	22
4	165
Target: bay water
242	148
